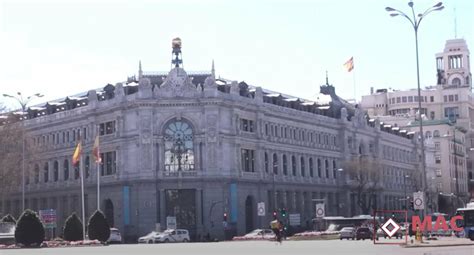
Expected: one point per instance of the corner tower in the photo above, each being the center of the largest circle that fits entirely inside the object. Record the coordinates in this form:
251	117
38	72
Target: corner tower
453	65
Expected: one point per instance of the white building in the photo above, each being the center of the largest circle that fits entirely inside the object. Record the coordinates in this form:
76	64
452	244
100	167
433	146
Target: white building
446	106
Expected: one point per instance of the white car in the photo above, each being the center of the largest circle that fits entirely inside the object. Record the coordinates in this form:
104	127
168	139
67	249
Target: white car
347	233
149	238
263	233
115	236
173	235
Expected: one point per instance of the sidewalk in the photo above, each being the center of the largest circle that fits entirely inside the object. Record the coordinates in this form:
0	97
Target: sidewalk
441	242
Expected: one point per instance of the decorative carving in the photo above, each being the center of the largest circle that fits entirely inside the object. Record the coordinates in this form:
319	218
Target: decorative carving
178	84
211	128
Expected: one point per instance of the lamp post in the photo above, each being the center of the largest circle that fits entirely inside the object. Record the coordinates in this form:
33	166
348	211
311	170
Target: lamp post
23	101
415	22
406	197
338	176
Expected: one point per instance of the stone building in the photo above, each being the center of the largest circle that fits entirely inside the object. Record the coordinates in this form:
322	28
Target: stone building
195	147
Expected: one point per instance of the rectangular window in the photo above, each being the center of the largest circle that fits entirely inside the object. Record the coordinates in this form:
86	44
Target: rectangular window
451	112
410	99
437	145
438	172
432	115
438	159
398	100
248	160
107	128
445	98
451	98
404	99
109	163
431	98
456	98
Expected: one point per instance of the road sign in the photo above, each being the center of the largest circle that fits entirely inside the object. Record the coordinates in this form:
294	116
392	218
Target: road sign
320	210
295	219
261	209
419	200
48	217
171	222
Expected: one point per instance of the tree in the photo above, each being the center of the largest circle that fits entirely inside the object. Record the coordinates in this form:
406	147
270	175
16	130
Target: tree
73	228
98	227
29	229
8	218
365	178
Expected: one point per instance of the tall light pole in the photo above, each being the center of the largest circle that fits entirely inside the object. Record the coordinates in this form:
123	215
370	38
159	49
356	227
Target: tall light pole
23	101
405	184
338	199
415	22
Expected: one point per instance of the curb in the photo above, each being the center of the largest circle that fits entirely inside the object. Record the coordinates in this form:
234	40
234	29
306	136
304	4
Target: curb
437	245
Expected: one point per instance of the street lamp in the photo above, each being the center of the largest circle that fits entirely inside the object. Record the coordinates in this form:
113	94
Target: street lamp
23	101
405	184
415	22
338	175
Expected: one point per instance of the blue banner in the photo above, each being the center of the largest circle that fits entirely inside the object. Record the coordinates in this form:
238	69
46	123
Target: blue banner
126	205
233	202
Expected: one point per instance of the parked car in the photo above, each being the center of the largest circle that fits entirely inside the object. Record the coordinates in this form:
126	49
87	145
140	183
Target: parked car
115	236
148	238
347	233
7	233
364	233
173	235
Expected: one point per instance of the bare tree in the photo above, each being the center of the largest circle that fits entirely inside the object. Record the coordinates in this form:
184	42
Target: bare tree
365	175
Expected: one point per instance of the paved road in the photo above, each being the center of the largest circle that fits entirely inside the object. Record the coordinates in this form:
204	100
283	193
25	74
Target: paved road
330	247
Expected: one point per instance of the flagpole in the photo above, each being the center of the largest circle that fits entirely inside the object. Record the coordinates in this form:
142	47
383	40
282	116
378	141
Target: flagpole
81	170
97	161
354	84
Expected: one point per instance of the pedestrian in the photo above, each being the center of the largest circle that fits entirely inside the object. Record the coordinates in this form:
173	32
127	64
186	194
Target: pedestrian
276	228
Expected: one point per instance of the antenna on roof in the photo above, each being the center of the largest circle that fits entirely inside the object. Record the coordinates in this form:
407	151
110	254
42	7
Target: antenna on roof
140	72
213	70
327	79
455	25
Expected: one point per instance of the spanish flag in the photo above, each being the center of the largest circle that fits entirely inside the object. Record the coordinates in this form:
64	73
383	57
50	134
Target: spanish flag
76	157
349	65
95	150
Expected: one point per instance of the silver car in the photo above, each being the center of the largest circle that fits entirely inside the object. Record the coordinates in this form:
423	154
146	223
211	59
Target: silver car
347	233
173	235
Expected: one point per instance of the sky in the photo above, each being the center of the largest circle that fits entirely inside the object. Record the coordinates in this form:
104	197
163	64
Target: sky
60	48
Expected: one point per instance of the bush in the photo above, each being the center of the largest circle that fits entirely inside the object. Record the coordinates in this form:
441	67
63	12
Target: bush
98	227
8	218
73	228
29	229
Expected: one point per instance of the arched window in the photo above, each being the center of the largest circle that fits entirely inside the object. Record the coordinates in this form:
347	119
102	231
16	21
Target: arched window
456	81
427	134
311	167
303	170
285	165
37	173
66	169
326	166
266	162
275	163
46	172
436	133
179	147
56	171
293	165
319	168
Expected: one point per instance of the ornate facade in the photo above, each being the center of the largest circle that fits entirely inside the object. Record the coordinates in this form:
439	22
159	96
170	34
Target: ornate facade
196	147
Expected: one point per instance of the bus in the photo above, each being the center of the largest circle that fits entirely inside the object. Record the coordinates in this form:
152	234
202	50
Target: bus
468	220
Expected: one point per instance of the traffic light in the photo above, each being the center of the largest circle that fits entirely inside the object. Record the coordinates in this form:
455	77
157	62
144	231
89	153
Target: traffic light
412	205
283	212
274	215
225	217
